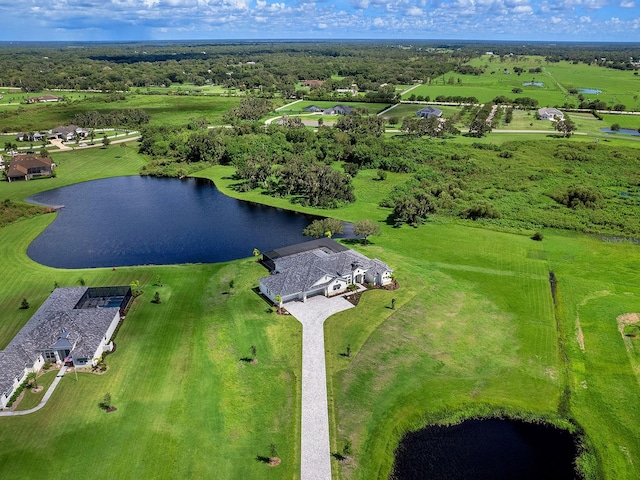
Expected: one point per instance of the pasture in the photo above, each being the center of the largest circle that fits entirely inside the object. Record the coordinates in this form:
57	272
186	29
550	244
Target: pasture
499	79
162	110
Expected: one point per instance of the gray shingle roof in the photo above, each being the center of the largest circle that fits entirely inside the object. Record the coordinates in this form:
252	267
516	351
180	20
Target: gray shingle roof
429	112
301	271
85	328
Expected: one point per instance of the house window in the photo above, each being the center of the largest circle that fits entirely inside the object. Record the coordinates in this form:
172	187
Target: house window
49	357
336	286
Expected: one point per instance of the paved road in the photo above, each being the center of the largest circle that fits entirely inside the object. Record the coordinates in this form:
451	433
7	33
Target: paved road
316	449
43	402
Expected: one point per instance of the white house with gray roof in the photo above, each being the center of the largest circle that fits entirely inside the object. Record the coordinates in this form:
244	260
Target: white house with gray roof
549	113
72	325
320	270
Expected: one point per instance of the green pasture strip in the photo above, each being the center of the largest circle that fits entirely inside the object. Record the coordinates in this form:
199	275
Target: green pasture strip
187	87
162	109
596	284
631	122
473	326
617	86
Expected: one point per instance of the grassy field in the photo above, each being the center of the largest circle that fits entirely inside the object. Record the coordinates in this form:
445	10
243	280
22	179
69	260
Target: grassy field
299	107
473	329
162	109
190	88
617	86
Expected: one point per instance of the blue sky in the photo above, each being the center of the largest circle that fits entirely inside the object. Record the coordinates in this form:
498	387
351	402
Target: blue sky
547	20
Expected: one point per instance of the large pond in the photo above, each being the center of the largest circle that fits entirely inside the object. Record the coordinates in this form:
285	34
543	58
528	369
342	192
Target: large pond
145	220
487	450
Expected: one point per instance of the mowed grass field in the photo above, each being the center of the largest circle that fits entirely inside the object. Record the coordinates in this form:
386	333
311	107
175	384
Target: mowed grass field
617	86
299	107
162	110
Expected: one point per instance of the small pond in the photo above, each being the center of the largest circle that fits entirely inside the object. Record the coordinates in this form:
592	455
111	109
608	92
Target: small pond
590	91
144	220
533	84
486	450
623	131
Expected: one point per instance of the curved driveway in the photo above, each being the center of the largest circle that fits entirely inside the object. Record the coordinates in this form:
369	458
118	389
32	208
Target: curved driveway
315	447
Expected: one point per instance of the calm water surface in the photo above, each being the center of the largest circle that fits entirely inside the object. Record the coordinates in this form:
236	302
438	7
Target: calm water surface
145	220
486	450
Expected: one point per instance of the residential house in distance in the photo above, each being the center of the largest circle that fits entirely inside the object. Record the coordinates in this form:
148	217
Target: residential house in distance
335	110
25	167
550	114
74	325
319	267
68	132
30	136
338	110
429	112
48	98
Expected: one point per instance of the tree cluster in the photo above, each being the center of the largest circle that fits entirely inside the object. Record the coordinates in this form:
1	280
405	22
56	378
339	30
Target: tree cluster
132	118
579	196
433	127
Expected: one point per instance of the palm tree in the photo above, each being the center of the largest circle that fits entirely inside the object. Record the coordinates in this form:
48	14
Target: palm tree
32	378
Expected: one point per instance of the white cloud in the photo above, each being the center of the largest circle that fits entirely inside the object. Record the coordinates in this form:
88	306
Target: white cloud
585	19
556	20
415	12
627	4
379	22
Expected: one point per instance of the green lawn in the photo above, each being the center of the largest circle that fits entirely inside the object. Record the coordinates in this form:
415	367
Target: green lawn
299	107
188	406
473	326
